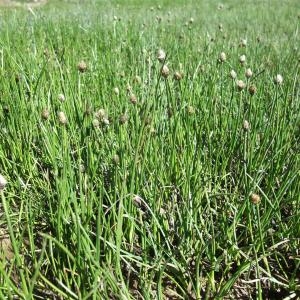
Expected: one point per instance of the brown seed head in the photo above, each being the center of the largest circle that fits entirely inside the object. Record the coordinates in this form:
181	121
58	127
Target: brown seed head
178	75
45	114
133	98
255	198
252	89
123	119
191	110
82	66
165	72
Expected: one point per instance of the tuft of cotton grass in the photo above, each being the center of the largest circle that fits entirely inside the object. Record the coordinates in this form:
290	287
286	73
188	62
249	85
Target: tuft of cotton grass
3	182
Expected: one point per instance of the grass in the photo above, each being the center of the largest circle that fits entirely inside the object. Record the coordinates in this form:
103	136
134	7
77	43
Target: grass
153	199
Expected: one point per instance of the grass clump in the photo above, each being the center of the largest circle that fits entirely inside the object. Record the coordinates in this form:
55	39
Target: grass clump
149	151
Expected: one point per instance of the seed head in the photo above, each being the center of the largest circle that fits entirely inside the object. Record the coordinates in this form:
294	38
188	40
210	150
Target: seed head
255	198
105	121
243	43
232	74
123	119
222	57
45	114
165	71
3	182
82	67
246	125
278	79
252	89
133	98
240	85
191	110
116	91
116	159
178	75
96	123
248	73
100	114
242	59
191	21
61	97
161	55
137	79
62	119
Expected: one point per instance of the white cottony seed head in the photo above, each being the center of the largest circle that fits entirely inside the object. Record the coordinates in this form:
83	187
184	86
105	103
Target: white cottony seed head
116	91
161	55
62	118
3	182
240	84
105	121
61	97
100	114
222	57
248	73
246	125
96	123
242	58
232	74
278	79
243	42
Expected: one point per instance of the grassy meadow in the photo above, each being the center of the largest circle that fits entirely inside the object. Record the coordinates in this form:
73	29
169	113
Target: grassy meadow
150	150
